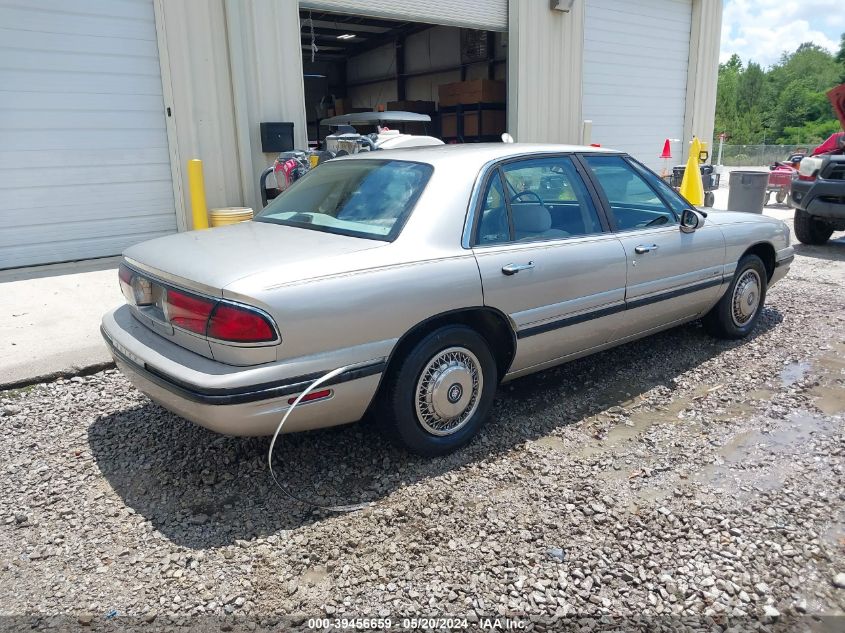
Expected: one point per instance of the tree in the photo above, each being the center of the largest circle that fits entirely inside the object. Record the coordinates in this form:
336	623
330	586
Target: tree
784	103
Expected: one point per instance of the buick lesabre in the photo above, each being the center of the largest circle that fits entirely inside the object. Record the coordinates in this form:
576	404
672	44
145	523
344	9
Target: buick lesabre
431	275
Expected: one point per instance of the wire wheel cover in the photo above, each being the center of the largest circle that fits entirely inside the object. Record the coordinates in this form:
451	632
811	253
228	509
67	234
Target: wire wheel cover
448	391
746	297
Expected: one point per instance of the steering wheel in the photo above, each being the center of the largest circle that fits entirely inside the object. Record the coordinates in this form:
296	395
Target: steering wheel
518	195
662	219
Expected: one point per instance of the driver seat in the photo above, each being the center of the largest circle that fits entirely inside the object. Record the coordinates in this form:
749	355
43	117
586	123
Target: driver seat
532	221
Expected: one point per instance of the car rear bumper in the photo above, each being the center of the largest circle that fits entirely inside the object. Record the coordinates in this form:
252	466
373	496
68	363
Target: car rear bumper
235	400
820	197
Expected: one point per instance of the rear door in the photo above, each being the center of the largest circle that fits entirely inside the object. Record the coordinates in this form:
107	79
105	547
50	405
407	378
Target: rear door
547	258
671	275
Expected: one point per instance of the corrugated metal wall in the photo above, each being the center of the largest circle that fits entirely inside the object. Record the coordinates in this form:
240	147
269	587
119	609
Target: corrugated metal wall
267	80
544	72
233	64
203	112
703	74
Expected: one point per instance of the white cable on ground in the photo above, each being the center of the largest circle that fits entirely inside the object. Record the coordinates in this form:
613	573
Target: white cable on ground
338	508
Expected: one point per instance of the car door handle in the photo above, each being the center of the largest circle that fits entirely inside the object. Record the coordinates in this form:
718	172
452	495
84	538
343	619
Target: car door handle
512	269
645	248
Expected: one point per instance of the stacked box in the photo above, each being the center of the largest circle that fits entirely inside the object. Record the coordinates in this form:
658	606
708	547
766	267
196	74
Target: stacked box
475	91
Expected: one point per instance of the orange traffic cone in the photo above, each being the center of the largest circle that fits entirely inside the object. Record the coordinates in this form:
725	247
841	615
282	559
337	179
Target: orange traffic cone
666	155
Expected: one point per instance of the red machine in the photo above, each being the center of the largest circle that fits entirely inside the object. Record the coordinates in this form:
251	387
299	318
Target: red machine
780	177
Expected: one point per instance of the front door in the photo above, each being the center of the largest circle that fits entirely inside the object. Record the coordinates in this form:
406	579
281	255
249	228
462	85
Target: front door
672	276
548	260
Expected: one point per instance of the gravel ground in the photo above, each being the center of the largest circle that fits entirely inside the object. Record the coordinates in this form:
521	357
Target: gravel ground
676	482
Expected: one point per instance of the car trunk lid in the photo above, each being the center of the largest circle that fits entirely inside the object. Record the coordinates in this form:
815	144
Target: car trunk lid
208	261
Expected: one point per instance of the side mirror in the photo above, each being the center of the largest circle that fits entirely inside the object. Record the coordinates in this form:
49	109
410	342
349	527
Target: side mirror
690	221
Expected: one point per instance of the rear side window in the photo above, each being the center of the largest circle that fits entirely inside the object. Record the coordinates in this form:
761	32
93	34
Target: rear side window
494	225
356	197
633	202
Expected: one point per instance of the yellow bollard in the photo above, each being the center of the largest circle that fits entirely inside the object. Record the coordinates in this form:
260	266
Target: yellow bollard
199	211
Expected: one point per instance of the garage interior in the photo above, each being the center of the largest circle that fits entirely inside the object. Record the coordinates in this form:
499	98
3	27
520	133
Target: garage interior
354	63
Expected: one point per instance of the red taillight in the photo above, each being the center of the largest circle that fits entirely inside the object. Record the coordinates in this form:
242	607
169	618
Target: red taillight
240	325
314	395
188	312
124	274
810	178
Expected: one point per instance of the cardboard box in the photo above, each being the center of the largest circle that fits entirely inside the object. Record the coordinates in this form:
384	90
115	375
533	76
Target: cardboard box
448	125
340	106
493	122
422	107
476	91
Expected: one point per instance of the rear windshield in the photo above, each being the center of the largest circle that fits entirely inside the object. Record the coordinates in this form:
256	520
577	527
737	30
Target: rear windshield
362	198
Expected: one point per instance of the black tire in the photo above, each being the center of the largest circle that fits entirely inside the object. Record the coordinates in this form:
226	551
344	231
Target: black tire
768	198
397	412
780	196
810	230
728	319
709	199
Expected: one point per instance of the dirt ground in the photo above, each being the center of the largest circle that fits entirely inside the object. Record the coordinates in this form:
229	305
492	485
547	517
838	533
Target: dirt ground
678	482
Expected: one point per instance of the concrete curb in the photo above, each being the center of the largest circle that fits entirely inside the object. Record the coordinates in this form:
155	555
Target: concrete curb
56	375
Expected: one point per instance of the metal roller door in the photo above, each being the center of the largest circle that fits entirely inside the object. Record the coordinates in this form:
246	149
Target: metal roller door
490	15
636	54
84	160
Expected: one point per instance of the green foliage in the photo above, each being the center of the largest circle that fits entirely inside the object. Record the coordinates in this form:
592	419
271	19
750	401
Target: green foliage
785	104
811	130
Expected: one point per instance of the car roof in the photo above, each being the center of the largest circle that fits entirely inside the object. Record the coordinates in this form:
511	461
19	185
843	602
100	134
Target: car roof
477	153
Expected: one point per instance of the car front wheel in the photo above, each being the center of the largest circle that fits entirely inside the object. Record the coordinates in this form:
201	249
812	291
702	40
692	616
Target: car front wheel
737	312
439	395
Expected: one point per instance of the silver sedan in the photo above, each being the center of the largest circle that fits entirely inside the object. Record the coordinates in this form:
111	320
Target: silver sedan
427	277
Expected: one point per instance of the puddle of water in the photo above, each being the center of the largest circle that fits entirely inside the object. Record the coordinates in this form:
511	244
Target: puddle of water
738	461
550	441
637	424
831	400
793	372
315	576
760	394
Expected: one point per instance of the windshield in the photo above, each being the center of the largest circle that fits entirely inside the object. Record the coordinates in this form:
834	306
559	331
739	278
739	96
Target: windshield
362	198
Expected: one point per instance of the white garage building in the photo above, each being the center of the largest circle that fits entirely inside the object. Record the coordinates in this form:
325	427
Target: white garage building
102	102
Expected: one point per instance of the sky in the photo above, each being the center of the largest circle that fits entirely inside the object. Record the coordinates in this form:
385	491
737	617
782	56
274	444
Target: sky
760	30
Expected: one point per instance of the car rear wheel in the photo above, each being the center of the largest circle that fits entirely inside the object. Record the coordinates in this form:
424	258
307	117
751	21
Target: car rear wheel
737	312
810	230
439	395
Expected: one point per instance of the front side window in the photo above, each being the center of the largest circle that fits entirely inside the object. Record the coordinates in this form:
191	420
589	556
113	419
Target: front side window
676	202
632	201
361	198
536	199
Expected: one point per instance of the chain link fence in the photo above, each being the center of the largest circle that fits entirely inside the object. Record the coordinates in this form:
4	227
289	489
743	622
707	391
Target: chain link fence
755	155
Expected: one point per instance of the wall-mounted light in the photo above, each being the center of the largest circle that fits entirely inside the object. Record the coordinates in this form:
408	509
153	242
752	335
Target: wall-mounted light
561	5
346	36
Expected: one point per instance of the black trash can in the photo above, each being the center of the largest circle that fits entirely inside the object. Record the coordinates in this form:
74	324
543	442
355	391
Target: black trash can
707	177
748	191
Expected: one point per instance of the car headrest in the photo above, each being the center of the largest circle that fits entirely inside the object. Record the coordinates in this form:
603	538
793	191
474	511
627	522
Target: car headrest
531	218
